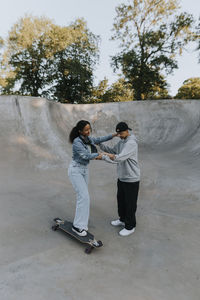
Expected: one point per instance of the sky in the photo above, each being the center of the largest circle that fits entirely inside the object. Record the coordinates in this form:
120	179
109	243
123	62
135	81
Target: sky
99	15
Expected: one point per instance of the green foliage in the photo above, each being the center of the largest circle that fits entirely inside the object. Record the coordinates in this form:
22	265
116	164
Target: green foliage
151	35
119	91
1	45
197	37
157	93
99	91
6	76
190	89
43	59
73	78
1	42
143	78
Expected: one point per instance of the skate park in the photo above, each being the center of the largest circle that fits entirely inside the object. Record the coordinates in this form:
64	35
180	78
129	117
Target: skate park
159	261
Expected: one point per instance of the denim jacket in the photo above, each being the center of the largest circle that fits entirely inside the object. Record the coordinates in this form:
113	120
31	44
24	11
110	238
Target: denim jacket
80	151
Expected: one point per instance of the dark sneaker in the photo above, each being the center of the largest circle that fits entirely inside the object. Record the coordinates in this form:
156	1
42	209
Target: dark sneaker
78	231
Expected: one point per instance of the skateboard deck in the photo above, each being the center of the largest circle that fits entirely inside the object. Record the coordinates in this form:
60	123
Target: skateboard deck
89	239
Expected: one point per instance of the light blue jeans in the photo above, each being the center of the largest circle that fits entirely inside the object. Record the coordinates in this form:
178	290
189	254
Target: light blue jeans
78	175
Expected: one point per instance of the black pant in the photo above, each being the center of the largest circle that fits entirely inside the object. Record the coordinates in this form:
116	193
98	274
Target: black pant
127	194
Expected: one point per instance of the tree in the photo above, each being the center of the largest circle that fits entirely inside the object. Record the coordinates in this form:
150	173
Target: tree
190	89
197	37
158	92
1	45
99	91
73	79
151	36
43	59
25	60
1	42
119	91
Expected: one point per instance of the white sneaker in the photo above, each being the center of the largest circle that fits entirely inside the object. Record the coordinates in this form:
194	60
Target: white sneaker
78	231
117	223
126	232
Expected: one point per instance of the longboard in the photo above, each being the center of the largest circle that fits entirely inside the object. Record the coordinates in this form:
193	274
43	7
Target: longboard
89	239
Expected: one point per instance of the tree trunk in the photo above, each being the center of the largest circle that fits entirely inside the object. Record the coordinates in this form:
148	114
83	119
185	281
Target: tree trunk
138	94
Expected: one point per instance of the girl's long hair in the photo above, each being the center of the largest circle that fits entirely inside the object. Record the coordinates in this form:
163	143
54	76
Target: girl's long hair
75	132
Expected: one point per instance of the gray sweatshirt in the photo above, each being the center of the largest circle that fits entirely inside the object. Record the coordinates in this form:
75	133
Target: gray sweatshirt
126	157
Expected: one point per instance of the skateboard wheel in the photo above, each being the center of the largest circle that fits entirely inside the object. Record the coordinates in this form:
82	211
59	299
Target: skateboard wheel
100	243
88	250
54	227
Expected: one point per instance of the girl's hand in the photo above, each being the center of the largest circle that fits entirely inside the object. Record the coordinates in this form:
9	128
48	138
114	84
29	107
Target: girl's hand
114	134
99	157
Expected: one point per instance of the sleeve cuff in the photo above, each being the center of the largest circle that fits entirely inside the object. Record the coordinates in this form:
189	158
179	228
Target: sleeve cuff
94	155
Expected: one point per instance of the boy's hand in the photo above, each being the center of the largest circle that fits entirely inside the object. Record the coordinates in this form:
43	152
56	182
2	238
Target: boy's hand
111	156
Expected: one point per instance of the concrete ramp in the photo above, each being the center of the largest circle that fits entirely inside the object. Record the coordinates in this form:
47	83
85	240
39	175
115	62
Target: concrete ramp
159	261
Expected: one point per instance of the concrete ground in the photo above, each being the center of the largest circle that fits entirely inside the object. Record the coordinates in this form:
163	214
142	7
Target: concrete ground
160	261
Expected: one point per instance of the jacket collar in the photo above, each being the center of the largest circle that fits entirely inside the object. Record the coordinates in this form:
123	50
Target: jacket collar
86	141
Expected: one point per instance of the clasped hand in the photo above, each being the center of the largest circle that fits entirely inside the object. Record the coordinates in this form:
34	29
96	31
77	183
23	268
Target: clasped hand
111	156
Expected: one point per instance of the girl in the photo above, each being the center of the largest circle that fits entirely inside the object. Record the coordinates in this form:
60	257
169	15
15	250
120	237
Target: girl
84	150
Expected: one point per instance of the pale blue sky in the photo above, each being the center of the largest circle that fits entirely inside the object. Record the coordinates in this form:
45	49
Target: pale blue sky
99	15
